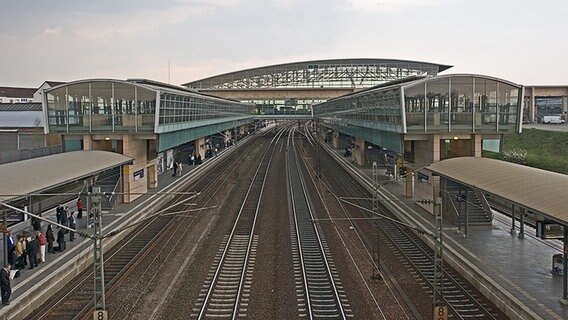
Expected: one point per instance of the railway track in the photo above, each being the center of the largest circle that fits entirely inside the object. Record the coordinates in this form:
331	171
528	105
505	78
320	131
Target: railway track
226	290
456	292
322	295
461	297
77	300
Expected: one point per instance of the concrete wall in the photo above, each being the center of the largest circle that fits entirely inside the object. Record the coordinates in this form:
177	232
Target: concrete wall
135	149
358	152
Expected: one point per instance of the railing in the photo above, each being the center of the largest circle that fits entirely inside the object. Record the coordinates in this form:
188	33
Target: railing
112	198
484	203
452	210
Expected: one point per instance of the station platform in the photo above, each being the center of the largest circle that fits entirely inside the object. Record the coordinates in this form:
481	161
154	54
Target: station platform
521	267
58	264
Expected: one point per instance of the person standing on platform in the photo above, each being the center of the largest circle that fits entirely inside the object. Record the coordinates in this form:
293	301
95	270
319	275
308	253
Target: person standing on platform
11	246
175	169
49	237
179	170
32	248
72	226
79	208
64	219
41	242
192	160
5	285
58	213
60	240
20	253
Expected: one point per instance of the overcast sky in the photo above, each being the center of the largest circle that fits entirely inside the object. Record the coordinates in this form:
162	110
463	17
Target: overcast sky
523	41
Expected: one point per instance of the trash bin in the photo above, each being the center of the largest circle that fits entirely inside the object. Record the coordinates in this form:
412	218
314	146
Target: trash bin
557	266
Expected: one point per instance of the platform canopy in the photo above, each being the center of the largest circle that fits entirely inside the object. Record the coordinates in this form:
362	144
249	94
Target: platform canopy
540	191
21	178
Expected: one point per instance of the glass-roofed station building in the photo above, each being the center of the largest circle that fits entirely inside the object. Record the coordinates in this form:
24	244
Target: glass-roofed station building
294	87
425	119
142	119
401	106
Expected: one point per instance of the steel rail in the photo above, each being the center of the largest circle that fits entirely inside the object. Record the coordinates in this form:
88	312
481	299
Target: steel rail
311	248
385	211
115	253
240	228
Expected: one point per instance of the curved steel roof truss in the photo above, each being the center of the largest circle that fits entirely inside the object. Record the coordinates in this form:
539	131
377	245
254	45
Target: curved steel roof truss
326	73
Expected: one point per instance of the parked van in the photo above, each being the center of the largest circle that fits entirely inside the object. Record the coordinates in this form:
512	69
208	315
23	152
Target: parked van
552	119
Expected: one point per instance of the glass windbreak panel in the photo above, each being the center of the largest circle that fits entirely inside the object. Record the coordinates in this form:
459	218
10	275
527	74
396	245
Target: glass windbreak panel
461	106
486	113
508	107
79	107
56	110
415	105
101	111
438	105
146	109
124	106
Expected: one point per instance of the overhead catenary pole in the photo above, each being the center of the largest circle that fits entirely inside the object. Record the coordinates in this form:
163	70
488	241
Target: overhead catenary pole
438	294
377	253
98	263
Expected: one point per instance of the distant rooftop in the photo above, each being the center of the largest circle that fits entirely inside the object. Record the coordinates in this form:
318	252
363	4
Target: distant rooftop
25	106
13	92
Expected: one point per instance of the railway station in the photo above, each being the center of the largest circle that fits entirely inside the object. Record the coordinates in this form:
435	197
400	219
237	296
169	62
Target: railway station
411	134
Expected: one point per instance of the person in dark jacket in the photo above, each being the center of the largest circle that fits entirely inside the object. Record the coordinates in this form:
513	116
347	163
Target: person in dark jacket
64	219
5	285
175	169
72	225
32	249
60	241
50	238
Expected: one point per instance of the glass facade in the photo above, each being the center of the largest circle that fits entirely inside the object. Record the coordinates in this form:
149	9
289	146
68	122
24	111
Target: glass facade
461	103
549	106
442	104
101	106
177	109
114	106
376	109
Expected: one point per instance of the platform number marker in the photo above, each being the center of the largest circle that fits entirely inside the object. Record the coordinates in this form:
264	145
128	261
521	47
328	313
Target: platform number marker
440	313
100	315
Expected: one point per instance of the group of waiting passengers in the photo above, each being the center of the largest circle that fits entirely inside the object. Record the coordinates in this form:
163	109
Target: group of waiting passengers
30	247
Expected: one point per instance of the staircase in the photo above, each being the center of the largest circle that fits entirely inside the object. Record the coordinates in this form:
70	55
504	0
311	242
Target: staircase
108	181
477	207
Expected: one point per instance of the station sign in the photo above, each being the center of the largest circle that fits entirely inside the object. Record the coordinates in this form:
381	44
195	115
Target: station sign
440	313
549	230
100	315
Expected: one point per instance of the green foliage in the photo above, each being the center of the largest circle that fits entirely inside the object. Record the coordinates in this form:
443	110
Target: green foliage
546	150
